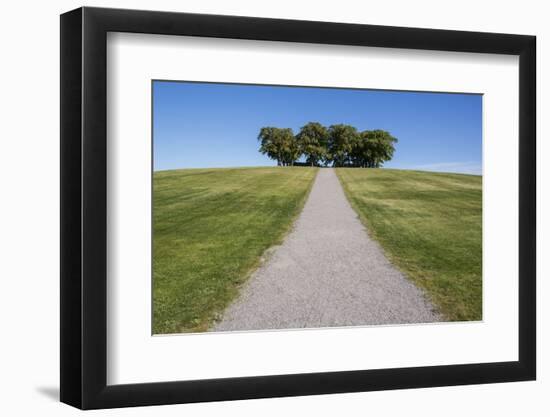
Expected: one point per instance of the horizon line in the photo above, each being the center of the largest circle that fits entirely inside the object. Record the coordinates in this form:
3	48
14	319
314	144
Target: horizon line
283	167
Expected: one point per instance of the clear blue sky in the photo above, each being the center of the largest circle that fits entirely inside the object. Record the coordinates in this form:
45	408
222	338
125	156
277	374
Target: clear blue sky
200	125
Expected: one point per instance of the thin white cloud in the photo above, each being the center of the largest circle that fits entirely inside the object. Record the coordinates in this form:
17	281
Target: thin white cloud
468	167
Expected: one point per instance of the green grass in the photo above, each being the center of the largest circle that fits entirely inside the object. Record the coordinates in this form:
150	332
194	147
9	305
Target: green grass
429	225
211	227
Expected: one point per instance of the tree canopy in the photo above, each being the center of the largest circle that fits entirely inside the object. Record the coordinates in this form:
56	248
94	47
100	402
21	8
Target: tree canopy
373	148
342	141
279	144
312	141
339	145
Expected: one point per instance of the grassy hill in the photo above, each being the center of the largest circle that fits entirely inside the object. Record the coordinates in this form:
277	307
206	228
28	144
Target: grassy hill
211	227
430	226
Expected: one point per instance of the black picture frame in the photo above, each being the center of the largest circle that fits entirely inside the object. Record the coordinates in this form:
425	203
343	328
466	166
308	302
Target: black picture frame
84	207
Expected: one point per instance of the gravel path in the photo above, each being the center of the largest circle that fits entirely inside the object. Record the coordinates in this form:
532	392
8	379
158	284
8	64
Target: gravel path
327	272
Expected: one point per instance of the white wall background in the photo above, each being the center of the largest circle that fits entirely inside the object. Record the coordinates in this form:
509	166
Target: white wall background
29	213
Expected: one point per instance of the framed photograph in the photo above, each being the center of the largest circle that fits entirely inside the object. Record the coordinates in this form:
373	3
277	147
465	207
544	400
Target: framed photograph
257	208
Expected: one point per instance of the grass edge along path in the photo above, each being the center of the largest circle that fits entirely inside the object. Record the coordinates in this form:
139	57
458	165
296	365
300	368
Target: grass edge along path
212	227
429	226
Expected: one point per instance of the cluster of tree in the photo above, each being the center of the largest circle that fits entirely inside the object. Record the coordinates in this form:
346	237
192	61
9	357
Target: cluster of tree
338	145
